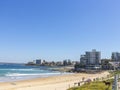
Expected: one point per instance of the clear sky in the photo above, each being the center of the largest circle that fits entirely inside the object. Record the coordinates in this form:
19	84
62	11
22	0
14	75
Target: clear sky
57	29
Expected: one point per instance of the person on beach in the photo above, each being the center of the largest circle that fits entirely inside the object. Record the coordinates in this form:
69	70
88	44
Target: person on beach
83	78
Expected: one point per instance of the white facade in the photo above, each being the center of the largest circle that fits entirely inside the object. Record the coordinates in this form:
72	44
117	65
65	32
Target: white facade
92	58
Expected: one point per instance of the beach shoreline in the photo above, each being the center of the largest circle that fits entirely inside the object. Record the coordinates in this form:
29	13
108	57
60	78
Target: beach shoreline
62	82
29	77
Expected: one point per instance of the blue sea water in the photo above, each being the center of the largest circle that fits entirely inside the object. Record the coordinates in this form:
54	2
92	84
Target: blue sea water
14	72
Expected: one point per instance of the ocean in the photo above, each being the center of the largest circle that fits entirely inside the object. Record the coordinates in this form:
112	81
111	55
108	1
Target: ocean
15	72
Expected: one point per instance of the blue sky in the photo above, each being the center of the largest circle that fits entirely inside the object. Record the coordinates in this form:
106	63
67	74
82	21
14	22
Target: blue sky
57	29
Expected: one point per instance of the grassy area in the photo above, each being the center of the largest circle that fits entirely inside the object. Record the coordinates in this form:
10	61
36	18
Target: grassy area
114	72
98	85
94	86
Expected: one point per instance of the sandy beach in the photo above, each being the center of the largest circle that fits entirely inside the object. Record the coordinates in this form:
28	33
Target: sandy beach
50	83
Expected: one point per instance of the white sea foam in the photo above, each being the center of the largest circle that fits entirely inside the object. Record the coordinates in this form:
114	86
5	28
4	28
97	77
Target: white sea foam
23	69
35	74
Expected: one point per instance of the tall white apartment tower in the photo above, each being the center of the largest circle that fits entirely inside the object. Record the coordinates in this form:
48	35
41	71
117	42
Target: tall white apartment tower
93	57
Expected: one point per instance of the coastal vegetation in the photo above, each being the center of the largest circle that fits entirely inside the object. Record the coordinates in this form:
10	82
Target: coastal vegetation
112	73
98	85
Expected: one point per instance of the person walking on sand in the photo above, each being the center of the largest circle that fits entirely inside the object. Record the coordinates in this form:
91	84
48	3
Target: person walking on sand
83	78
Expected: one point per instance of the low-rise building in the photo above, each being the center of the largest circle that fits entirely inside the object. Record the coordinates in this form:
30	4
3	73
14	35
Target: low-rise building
105	64
38	61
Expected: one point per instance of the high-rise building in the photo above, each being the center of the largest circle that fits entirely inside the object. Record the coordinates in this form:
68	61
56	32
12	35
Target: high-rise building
91	58
115	56
65	62
83	60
